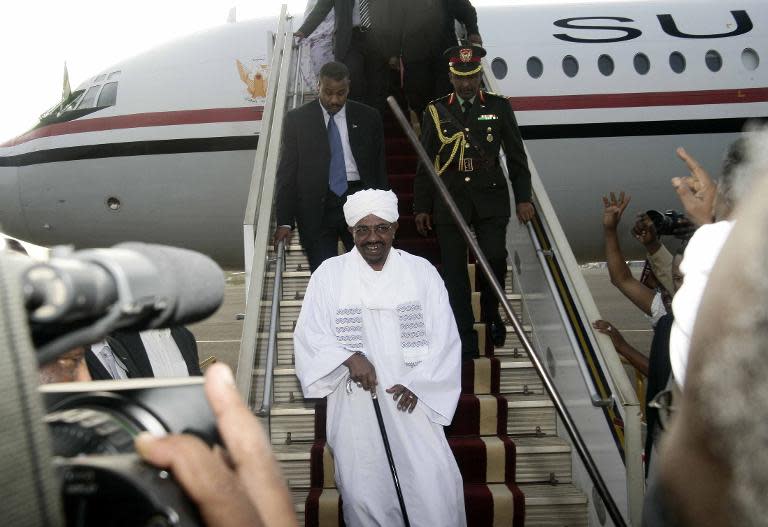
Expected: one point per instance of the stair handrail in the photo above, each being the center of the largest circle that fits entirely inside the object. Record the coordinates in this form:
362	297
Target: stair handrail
274	321
546	379
265	410
259	211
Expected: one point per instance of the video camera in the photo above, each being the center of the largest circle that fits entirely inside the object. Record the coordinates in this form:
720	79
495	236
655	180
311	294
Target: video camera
671	223
76	454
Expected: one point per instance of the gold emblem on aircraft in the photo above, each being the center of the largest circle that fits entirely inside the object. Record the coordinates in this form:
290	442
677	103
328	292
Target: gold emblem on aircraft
255	80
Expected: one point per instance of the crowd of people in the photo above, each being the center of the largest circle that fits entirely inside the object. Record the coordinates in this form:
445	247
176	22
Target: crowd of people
380	317
704	368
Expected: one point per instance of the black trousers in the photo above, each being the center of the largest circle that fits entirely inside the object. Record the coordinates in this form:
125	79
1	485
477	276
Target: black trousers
368	72
332	228
491	234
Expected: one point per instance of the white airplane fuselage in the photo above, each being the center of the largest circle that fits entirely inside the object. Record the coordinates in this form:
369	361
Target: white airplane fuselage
170	161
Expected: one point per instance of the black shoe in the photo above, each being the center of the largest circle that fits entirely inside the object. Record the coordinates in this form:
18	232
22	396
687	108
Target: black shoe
498	332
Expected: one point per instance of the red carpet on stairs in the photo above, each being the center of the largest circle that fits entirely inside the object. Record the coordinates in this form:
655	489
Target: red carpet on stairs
477	436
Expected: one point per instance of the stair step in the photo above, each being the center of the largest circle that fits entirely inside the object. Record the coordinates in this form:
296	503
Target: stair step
518	376
543	459
554	505
296	419
530	414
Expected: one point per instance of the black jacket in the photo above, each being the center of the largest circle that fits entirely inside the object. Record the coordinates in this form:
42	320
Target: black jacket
129	348
491	124
305	156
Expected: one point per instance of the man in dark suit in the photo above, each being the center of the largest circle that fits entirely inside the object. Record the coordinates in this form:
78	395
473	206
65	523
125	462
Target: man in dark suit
463	132
126	354
356	44
331	147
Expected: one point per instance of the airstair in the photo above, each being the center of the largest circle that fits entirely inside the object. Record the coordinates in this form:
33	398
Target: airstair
511	434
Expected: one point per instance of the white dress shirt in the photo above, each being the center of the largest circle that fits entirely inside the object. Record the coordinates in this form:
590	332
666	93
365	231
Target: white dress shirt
114	366
163	353
341	124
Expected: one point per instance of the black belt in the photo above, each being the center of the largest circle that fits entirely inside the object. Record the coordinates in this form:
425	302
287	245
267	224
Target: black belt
473	164
354	186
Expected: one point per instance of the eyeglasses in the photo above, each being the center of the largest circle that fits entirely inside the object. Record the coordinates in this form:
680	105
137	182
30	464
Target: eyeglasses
365	230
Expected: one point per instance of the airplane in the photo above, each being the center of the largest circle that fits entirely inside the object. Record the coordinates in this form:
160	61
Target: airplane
160	147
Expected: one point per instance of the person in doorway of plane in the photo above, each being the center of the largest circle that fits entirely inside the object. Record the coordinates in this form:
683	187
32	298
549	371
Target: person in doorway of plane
463	132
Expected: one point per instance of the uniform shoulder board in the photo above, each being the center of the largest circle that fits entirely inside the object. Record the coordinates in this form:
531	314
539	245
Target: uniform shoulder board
440	99
492	94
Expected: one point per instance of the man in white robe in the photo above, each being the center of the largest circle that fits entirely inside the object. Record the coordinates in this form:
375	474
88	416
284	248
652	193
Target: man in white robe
377	319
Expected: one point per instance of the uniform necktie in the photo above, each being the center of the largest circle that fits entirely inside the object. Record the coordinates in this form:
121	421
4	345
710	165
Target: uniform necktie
467	106
337	172
365	14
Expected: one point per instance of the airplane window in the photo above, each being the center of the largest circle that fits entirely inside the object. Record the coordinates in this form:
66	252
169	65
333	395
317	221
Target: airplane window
605	65
641	63
570	65
89	99
100	78
535	67
677	62
113	75
750	59
713	60
499	68
108	95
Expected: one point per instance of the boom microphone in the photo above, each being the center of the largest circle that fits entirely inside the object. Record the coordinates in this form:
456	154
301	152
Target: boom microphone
138	286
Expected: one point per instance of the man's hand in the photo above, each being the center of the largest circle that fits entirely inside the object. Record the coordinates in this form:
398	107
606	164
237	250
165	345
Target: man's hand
606	328
247	487
474	38
361	371
407	398
697	191
525	211
613	209
423	223
299	35
282	233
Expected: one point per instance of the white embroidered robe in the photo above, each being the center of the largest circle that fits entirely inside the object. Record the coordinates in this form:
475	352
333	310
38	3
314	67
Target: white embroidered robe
430	479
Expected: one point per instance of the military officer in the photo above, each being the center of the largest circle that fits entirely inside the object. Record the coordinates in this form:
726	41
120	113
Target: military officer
462	132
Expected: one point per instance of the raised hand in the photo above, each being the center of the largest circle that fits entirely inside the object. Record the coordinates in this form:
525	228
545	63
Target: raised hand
697	191
613	209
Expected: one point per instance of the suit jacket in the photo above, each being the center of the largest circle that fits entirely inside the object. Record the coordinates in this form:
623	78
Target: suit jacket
490	124
305	157
129	348
416	30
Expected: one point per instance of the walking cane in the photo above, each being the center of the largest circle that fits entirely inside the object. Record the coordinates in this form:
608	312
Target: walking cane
392	467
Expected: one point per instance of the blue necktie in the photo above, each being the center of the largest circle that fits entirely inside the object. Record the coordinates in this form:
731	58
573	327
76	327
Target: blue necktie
337	173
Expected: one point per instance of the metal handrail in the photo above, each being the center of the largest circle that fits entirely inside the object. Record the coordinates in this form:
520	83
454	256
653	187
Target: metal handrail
277	288
260	215
274	318
546	379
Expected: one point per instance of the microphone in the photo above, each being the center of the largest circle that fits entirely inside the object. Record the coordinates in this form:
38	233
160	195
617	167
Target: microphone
142	286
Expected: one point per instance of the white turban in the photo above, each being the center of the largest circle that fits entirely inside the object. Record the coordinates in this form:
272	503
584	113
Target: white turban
381	203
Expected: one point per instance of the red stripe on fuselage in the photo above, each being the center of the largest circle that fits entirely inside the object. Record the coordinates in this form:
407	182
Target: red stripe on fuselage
635	100
139	120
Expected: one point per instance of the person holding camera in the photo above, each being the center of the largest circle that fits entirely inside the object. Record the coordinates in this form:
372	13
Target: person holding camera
243	486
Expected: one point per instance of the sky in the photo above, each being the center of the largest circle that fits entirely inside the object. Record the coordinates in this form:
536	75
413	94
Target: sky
38	36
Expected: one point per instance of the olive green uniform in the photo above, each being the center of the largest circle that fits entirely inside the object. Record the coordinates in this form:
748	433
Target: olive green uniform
466	154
